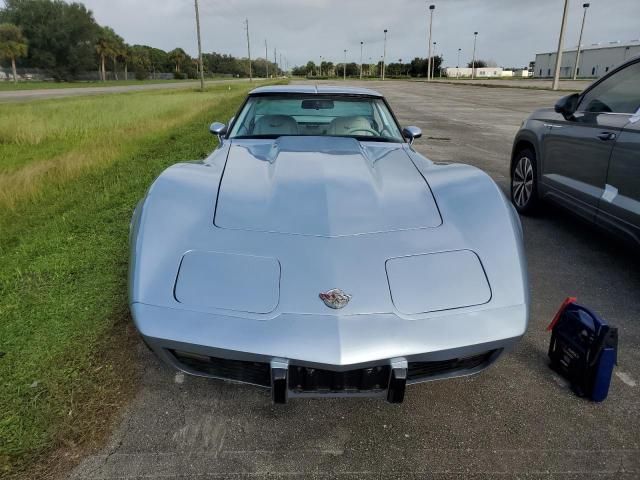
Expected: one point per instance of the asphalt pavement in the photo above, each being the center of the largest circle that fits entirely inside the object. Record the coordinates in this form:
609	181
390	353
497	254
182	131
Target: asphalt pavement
515	420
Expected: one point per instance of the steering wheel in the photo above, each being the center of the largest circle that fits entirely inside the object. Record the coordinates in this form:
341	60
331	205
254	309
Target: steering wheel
368	130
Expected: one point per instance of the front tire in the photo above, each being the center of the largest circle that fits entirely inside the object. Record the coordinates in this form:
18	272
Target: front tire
524	182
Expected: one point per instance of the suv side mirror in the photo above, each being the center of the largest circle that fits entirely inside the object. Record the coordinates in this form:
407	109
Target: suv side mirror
218	129
411	133
567	106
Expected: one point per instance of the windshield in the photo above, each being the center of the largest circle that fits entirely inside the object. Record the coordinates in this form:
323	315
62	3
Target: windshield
273	116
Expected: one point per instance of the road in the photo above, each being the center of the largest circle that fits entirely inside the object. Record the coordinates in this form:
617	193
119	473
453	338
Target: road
47	93
515	420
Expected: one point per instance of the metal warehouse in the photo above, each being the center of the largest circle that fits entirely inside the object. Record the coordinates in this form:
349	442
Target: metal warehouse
595	60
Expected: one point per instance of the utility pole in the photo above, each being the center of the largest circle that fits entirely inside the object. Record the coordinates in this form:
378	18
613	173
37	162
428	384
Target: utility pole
266	56
584	17
199	47
361	45
433	64
344	66
473	62
384	53
246	20
556	74
431	9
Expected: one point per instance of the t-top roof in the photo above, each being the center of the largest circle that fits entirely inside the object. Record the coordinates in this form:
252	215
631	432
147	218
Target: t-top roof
315	90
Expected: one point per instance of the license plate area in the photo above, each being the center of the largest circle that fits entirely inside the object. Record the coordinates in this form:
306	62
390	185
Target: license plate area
303	380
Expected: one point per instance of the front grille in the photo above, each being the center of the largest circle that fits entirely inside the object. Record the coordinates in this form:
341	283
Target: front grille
238	370
418	370
304	379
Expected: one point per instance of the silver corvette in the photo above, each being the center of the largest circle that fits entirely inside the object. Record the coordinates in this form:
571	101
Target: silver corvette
316	253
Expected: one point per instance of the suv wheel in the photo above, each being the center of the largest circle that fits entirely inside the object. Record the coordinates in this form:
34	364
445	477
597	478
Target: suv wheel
524	182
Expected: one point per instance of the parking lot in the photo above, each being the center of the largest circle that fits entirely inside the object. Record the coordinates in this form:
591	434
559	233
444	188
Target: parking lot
515	420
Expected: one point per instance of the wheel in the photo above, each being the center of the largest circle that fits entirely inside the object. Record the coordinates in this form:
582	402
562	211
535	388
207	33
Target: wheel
524	182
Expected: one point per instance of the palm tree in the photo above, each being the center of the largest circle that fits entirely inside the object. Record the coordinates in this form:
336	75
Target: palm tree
177	56
12	45
117	47
102	49
107	46
124	56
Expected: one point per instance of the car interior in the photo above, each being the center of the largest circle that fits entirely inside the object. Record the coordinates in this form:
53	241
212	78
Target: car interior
274	117
287	125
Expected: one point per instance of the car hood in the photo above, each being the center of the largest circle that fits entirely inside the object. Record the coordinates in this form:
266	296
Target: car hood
322	186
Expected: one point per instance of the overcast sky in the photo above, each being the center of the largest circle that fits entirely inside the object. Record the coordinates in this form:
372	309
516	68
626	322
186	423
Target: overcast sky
511	32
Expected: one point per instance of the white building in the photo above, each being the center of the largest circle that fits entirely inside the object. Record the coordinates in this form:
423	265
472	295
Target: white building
522	73
485	72
595	60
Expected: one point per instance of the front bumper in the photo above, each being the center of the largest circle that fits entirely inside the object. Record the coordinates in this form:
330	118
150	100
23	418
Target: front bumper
330	355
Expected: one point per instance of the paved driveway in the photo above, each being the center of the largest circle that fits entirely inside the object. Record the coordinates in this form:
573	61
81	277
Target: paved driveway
515	420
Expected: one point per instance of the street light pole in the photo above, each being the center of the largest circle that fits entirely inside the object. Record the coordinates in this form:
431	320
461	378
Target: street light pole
361	45
473	62
556	74
584	16
320	66
384	53
431	9
458	64
199	47
344	66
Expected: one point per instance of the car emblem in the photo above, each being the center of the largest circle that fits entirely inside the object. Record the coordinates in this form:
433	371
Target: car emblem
335	298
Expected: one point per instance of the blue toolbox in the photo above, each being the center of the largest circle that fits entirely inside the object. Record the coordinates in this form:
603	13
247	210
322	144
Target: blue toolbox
583	349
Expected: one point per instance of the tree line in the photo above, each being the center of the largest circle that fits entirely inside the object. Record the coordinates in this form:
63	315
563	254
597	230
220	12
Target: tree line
416	68
64	40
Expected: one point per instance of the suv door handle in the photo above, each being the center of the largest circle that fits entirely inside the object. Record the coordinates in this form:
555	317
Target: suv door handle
607	136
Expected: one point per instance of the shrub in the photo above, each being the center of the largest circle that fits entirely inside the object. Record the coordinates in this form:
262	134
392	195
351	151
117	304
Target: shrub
141	74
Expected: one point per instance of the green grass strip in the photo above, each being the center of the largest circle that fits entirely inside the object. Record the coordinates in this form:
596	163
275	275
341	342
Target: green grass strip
63	304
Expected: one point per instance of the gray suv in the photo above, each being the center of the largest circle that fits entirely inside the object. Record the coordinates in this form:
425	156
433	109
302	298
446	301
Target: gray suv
584	154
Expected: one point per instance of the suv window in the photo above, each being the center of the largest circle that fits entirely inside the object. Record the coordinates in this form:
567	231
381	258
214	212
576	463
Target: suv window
620	93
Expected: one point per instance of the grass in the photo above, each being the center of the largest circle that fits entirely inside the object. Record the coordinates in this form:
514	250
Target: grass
56	140
65	334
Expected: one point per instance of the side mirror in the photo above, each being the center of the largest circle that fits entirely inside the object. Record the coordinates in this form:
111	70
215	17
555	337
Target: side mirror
218	129
567	106
411	133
